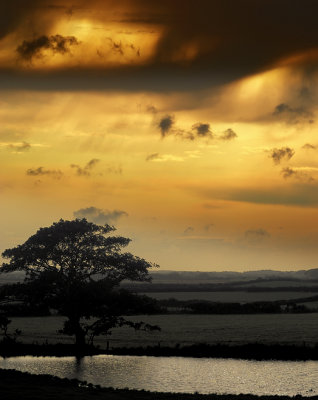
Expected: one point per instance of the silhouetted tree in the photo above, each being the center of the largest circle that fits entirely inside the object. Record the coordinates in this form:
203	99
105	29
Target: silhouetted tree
4	324
75	267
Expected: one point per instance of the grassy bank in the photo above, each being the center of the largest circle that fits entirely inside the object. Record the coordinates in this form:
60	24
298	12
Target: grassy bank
16	385
185	330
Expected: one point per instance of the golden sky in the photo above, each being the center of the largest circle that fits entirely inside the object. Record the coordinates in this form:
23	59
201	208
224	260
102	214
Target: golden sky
189	125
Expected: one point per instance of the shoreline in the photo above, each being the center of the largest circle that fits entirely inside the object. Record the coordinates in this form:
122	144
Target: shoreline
16	385
252	351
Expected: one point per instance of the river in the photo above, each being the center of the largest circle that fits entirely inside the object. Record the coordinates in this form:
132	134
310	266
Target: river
178	374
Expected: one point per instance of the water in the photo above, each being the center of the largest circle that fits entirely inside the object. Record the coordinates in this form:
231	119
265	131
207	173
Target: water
178	374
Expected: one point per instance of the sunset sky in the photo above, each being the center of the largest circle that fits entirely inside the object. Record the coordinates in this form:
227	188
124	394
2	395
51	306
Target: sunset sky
190	125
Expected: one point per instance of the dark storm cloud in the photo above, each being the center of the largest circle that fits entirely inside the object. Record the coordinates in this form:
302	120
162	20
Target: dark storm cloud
87	169
284	153
57	174
165	125
99	216
12	14
56	43
203	42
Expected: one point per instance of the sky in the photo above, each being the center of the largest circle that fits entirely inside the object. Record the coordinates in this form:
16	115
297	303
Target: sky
188	125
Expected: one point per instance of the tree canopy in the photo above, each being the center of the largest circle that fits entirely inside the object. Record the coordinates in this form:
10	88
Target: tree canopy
75	267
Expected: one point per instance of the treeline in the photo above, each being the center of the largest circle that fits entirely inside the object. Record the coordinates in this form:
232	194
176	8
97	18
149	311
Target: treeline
22	300
208	307
18	300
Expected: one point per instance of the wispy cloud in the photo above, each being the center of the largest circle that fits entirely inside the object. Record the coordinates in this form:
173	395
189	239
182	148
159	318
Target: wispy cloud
54	173
309	146
156	157
255	236
299	174
100	216
189	230
293	115
19	147
87	169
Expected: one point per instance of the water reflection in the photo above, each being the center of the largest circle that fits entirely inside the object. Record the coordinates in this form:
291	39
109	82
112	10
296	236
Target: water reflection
178	374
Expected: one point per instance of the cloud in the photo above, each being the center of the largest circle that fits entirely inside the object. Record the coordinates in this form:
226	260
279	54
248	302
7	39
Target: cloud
121	48
292	115
297	193
156	157
299	174
229	134
152	109
254	236
288	172
309	146
199	130
99	216
113	169
153	156
189	230
19	147
202	129
27	50
165	125
284	153
86	170
57	174
234	43
208	227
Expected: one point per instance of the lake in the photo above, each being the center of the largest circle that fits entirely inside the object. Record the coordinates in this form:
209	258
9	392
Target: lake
178	374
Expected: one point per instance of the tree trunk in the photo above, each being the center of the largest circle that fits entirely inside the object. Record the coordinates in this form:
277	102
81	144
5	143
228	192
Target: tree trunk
80	338
78	332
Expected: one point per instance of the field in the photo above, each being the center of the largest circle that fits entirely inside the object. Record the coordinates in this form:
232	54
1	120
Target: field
188	329
231	296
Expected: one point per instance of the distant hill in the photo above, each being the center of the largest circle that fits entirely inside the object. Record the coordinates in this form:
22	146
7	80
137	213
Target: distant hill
262	278
195	277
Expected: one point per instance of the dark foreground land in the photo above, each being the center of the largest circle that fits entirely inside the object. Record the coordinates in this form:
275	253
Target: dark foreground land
17	385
